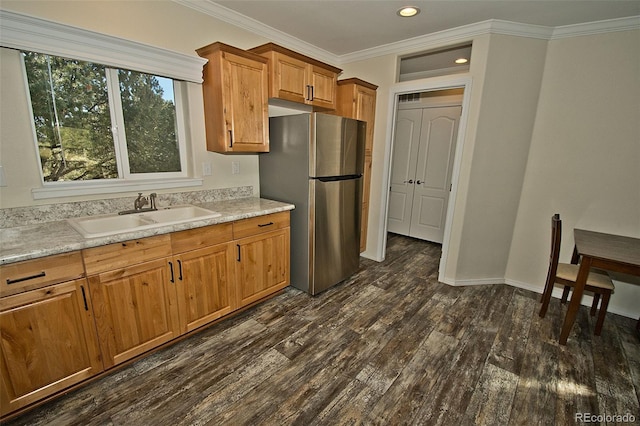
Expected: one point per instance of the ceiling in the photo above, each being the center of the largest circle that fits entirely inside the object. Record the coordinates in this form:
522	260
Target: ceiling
348	26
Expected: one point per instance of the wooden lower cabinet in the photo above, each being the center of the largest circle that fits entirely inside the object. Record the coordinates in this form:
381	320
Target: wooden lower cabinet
48	343
262	265
205	285
135	309
138	295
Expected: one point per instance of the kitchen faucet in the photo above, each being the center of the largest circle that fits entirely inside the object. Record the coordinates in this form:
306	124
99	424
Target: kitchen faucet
140	202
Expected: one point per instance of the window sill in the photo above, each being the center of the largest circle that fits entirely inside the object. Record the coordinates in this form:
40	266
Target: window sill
71	189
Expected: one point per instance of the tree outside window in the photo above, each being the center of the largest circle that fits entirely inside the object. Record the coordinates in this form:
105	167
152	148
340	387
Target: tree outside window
95	122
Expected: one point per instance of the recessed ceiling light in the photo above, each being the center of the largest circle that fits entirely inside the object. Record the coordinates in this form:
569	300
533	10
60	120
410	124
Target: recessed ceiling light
408	11
462	61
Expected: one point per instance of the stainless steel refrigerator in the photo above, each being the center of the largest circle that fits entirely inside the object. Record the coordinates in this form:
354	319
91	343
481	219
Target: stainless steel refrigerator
316	161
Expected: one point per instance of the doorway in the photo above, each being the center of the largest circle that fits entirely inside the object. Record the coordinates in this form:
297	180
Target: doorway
463	82
426	129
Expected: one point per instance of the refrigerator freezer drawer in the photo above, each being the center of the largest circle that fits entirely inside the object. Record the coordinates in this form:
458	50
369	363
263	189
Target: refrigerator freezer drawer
335	240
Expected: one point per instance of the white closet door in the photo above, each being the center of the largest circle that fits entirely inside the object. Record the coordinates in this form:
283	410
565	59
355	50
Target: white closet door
433	170
403	170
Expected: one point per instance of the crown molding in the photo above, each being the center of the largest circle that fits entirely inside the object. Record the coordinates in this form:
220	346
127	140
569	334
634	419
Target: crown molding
597	27
25	32
451	36
256	27
461	34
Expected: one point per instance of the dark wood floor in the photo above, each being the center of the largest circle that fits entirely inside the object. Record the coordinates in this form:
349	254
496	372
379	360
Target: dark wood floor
391	345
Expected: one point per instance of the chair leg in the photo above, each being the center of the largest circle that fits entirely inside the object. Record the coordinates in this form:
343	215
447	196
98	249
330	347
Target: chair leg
603	311
565	294
594	305
546	297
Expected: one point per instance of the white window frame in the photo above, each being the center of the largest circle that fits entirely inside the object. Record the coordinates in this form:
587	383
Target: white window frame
24	32
120	137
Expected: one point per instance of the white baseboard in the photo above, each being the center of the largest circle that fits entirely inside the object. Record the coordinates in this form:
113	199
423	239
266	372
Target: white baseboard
586	299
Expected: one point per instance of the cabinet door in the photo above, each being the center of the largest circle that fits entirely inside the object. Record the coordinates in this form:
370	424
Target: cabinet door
289	79
205	285
262	265
323	87
48	343
135	309
366	111
245	101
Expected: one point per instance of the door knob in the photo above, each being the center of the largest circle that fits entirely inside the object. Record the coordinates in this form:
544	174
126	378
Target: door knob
419	182
408	181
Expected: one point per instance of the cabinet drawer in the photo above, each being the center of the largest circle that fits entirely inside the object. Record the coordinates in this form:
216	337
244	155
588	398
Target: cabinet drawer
36	273
193	239
120	255
257	225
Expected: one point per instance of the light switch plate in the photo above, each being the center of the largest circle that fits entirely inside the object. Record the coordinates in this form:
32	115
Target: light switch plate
235	168
206	169
3	182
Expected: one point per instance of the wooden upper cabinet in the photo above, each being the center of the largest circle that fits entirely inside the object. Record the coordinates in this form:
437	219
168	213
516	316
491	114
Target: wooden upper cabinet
357	99
299	78
235	91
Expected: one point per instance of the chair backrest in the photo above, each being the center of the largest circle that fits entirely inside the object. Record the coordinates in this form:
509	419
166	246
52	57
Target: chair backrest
556	238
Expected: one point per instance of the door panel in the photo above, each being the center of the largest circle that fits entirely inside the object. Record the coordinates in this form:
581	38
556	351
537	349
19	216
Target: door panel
433	172
48	343
135	309
403	169
243	111
336	231
338	146
205	285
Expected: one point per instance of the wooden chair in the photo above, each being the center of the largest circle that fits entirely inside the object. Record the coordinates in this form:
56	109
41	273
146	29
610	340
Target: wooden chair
565	274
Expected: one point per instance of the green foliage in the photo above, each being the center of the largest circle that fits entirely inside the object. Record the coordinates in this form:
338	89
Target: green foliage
149	123
72	119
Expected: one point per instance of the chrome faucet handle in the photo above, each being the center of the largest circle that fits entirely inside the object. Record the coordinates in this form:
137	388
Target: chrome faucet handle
139	202
152	201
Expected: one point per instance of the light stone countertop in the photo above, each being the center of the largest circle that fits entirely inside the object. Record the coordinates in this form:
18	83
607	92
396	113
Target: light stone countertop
49	238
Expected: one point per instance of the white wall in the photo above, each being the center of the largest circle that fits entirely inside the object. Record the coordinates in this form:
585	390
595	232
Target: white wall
506	118
553	127
584	161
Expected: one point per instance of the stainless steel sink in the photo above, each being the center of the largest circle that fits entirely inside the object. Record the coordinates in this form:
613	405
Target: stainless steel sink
111	224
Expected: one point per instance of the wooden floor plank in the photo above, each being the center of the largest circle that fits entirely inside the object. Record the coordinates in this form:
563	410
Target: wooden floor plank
390	345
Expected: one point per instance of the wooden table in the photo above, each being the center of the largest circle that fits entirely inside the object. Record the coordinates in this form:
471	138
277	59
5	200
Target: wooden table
605	251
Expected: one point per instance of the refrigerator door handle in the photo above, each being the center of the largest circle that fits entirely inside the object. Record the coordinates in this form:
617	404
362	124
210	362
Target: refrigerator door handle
337	178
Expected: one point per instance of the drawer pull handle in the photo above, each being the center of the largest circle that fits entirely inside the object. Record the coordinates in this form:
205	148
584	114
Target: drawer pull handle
262	225
30	277
238	258
180	270
84	297
172	277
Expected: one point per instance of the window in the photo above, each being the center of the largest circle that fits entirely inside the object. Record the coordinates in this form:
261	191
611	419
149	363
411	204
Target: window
94	122
451	60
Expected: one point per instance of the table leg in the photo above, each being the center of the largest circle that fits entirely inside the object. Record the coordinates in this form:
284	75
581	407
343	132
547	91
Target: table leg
576	298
